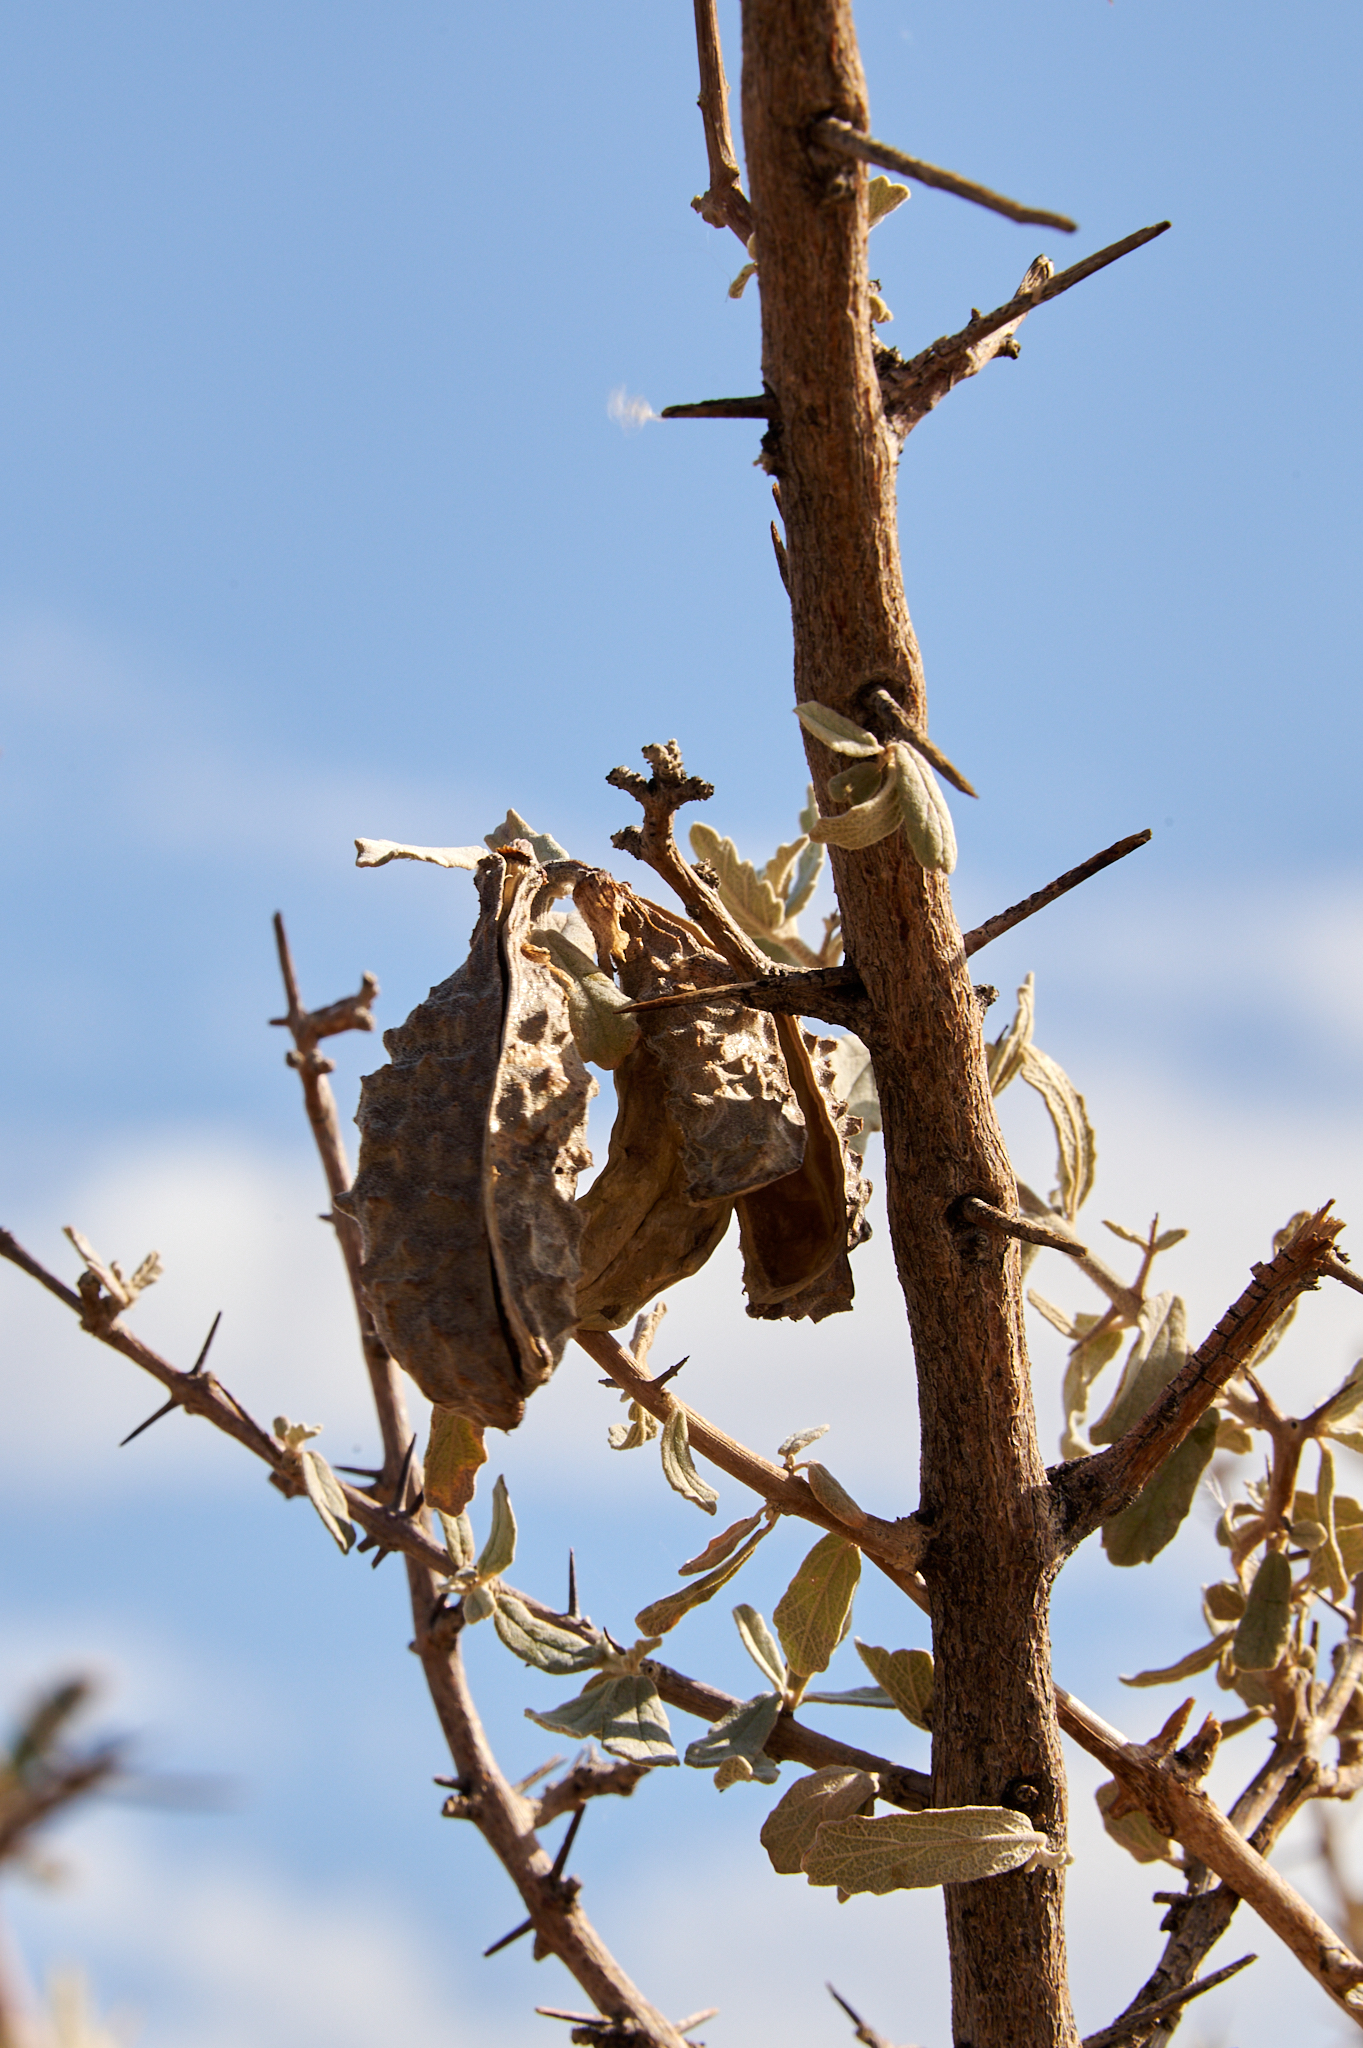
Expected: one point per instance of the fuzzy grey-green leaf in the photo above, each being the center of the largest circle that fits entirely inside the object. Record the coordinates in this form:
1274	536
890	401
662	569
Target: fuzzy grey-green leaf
499	1552
678	1470
836	732
624	1714
1153	1519
664	1614
906	1676
923	811
1263	1630
1201	1659
324	1491
761	1645
741	1732
833	1793
813	1613
1159	1351
866	823
459	1539
719	1547
893	1852
539	1642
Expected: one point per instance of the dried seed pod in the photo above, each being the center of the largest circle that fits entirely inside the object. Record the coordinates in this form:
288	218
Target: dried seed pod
727	1090
797	1232
471	1143
641	1230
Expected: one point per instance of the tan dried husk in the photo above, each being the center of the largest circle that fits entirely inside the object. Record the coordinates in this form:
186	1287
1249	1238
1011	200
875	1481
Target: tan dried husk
720	1103
471	1143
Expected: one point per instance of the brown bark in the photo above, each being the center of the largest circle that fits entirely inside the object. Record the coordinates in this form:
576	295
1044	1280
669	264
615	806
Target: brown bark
989	1560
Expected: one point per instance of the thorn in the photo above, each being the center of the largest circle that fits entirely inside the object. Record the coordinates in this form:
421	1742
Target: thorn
362	1471
171	1403
379	1556
198	1364
401	1486
566	1845
417	1505
507	1939
573	1608
697	2019
521	1784
672	1371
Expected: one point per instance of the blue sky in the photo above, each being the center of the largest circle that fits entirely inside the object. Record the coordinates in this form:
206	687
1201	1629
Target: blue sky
313	523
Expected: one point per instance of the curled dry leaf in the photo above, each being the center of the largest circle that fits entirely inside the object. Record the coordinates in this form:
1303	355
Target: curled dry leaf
1134	1829
1187	1667
796	1234
471	1142
678	1468
721	1546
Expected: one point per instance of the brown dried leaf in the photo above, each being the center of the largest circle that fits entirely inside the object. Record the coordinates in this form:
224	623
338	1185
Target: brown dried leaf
454	1451
471	1142
796	1234
640	1231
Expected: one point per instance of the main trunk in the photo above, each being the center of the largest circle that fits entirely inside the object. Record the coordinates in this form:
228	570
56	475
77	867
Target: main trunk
983	1487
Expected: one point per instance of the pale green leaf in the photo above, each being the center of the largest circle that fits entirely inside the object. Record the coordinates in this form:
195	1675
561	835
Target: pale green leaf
719	1547
324	1491
1262	1633
513	826
1075	1143
740	1733
1327	1566
459	1539
830	1493
851	1696
1187	1667
906	1676
1056	1317
1347	1397
813	1613
836	732
678	1470
1153	1519
624	1714
1167	1239
806	879
539	1642
1232	1436
603	1028
500	1549
1159	1351
1004	1056
1135	1831
865	823
664	1614
779	869
751	898
834	1793
1086	1361
801	1440
1127	1236
854	1083
1222	1601
735	1770
761	1645
857	784
894	1852
1308	1535
477	1604
923	808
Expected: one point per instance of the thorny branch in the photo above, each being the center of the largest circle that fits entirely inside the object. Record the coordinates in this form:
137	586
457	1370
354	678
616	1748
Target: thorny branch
1137	2023
842	136
1166	1787
1091	1489
724	204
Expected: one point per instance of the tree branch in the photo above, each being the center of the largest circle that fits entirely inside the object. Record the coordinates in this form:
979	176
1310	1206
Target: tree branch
1004	920
894	1546
724	205
842	136
1089	1490
1182	1809
1142	2017
911	389
833	994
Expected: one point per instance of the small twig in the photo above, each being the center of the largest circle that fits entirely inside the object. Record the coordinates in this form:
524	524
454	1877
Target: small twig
573	1608
1125	1300
994	927
841	135
911	389
975	1210
724	204
596	1777
1143	2016
173	1402
881	700
866	2035
760	408
1091	1489
836	995
1335	1269
1186	1812
894	1546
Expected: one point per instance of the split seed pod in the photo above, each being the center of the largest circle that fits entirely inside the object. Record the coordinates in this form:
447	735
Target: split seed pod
471	1143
